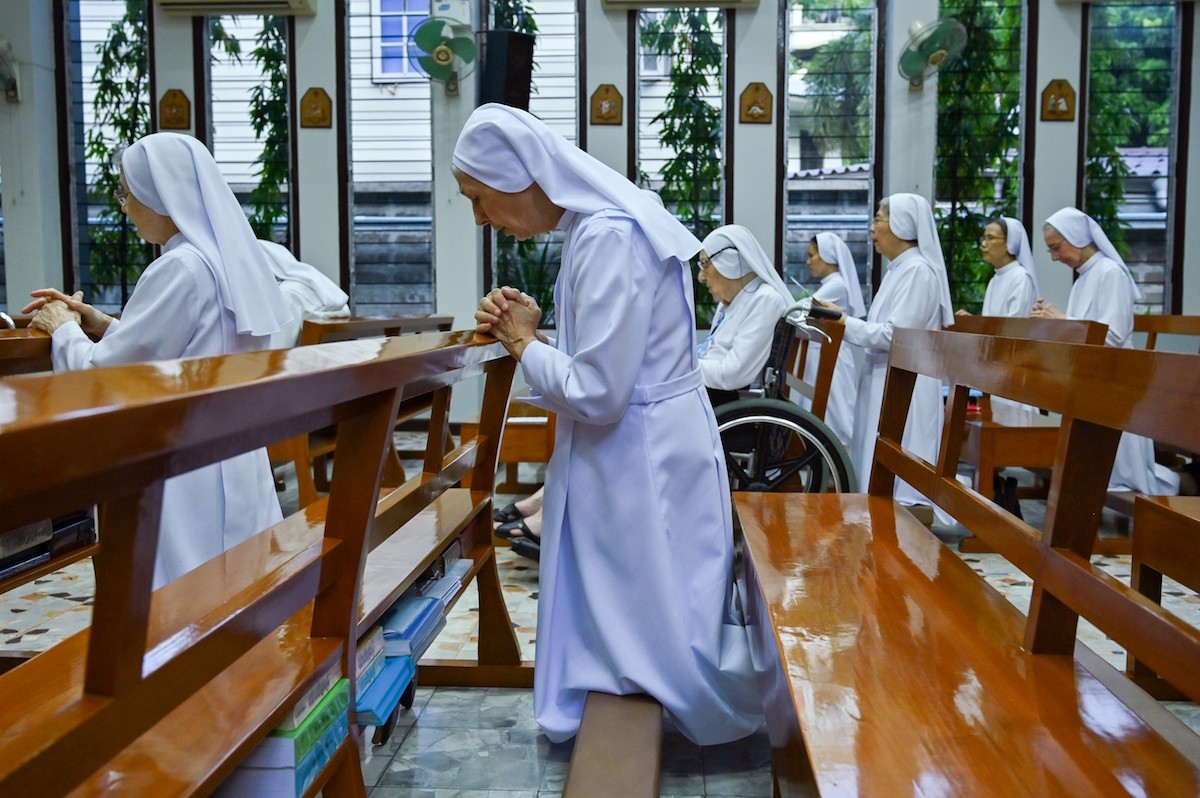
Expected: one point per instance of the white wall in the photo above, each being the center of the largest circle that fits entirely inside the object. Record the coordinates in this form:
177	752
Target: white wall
29	151
1057	143
607	33
910	129
1191	249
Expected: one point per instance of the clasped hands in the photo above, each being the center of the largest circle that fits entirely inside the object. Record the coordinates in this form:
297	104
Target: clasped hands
1045	310
53	309
511	316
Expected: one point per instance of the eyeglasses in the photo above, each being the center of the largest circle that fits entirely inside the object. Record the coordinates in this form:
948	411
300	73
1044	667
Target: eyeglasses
121	195
706	262
983	239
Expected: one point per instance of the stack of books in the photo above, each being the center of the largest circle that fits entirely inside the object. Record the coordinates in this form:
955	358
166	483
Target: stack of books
287	762
376	702
369	659
447	587
411	624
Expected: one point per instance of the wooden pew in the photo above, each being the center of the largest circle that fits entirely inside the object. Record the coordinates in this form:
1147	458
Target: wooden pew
889	667
618	751
797	358
309	453
184	681
991	444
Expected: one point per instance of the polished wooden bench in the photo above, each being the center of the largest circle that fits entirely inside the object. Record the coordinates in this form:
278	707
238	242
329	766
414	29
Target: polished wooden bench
889	667
185	680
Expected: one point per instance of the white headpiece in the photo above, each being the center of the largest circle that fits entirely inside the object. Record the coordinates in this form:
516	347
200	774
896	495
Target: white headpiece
833	249
1079	230
1017	243
735	252
174	175
284	266
509	150
911	219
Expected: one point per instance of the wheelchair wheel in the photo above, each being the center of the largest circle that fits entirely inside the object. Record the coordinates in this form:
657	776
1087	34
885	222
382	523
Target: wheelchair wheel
774	445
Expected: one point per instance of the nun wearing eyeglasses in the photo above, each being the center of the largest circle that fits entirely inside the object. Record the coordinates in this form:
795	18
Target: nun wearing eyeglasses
1104	291
637	546
751	298
914	294
830	261
1013	287
211	292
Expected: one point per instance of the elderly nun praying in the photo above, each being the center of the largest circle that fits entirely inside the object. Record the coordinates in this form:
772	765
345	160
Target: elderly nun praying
751	299
1104	291
211	292
637	546
915	293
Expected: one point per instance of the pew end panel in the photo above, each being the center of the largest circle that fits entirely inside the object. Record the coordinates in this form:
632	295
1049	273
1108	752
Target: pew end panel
886	662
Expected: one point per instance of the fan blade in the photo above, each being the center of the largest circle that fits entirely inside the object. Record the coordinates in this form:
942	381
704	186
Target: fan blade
434	69
429	34
463	47
912	63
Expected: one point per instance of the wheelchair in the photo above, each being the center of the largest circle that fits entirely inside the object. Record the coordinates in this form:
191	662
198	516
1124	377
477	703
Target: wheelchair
771	443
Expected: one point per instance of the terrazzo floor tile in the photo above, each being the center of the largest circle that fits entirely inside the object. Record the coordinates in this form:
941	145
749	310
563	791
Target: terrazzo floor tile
464	758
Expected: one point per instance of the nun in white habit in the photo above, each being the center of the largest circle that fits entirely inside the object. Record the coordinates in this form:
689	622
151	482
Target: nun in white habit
751	299
914	293
307	293
830	260
210	293
637	546
1014	285
1105	291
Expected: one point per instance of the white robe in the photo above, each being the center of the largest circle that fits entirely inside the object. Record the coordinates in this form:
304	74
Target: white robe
1010	292
738	349
908	297
839	412
174	312
1104	293
637	542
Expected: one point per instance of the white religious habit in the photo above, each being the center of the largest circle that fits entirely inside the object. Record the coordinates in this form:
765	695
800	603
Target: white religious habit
209	293
840	288
739	340
307	293
914	293
1104	290
1014	286
635	585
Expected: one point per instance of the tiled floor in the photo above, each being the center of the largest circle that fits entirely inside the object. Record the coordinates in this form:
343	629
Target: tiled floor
476	743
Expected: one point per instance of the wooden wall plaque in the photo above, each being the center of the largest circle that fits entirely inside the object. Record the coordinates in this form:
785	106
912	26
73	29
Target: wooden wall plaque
756	105
1058	102
316	108
174	111
607	105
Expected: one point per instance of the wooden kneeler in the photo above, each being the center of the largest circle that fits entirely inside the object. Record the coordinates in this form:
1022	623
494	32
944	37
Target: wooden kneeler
618	751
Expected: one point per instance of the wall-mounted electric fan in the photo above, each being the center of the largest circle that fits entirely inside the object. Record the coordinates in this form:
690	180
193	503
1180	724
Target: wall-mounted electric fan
445	49
930	47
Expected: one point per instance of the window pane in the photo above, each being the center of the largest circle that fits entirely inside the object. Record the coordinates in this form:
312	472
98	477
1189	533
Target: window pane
831	89
1129	143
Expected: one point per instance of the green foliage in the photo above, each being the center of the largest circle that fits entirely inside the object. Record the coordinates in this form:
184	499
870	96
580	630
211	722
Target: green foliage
839	76
690	124
514	15
118	255
1129	100
268	117
978	140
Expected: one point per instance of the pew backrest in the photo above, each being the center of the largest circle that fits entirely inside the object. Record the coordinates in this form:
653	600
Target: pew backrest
798	357
322	331
1153	326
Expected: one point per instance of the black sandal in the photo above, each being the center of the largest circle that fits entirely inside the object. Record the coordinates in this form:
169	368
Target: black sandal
516	530
507	514
527	547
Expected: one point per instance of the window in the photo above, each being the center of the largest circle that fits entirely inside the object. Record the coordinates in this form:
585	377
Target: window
392	24
831	95
1130	116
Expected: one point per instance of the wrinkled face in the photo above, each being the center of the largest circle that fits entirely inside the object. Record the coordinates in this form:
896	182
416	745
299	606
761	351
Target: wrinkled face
1063	250
885	241
993	246
521	215
151	226
817	267
722	288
